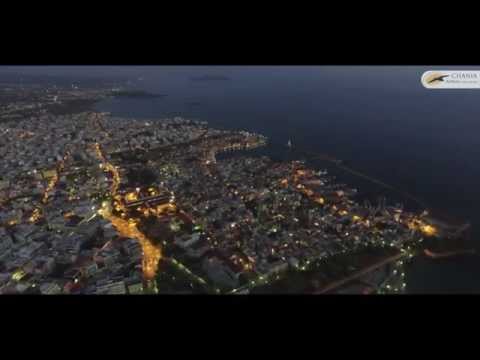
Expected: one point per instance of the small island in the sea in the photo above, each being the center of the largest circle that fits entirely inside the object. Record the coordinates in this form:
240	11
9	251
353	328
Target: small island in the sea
136	94
210	78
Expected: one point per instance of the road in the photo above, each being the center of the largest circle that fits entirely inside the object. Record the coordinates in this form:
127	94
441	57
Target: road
446	254
359	274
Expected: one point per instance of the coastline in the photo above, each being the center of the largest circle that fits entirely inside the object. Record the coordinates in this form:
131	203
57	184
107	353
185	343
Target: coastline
432	259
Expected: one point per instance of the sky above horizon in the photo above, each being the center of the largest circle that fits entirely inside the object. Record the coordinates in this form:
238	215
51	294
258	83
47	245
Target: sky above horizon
146	70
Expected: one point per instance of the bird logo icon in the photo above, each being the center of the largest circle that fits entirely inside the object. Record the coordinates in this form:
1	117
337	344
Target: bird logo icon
435	78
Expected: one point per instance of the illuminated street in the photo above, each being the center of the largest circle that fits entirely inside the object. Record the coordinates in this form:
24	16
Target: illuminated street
92	203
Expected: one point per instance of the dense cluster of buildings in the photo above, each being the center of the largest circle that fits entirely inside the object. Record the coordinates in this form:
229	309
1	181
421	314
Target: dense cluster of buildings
52	239
74	219
254	219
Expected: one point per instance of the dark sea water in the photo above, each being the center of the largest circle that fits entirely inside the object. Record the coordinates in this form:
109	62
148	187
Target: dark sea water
381	120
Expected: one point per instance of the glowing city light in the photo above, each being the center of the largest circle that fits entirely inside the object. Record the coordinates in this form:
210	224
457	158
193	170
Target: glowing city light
428	230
